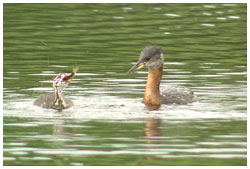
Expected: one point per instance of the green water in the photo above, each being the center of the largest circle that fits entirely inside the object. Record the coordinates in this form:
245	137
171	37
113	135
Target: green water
205	49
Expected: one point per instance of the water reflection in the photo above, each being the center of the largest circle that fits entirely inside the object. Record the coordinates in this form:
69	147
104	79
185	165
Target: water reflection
82	139
152	132
152	106
153	128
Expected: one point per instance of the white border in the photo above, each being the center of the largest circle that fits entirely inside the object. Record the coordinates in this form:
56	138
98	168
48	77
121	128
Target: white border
103	1
124	1
1	83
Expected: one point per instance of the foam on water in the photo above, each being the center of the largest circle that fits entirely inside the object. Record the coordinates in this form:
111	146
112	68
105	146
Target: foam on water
114	107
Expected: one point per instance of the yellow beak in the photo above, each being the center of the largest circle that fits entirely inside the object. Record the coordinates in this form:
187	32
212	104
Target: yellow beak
141	65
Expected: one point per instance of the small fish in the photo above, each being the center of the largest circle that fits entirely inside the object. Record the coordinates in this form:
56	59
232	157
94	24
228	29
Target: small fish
69	78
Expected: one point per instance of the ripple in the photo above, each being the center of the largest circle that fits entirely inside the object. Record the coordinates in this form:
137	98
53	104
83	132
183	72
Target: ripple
220	18
14	149
207	14
40	89
118	17
14	144
35	158
10	78
233	17
13	72
21	124
228	4
175	63
58	66
222	143
19	153
206	24
9	158
166	33
127	8
230	136
124	80
209	6
233	73
205	156
42	74
172	15
200	150
87	74
77	164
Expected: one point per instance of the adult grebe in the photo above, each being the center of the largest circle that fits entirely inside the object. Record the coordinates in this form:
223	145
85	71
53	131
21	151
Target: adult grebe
152	58
56	100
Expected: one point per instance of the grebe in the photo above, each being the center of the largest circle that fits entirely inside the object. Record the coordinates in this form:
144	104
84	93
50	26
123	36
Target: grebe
56	100
152	58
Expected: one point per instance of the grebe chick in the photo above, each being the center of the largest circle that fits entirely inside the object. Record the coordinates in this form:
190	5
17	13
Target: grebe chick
152	58
56	100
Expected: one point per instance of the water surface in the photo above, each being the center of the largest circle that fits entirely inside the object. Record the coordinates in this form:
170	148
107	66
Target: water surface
205	50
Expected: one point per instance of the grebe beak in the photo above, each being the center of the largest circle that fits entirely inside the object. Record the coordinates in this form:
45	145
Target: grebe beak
138	66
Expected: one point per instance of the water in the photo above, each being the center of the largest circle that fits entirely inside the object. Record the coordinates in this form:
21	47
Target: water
205	50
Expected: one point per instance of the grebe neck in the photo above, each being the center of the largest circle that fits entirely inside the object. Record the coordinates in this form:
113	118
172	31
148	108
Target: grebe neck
59	101
152	93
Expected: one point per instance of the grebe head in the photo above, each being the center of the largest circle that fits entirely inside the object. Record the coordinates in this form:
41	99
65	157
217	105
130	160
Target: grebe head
151	57
60	82
63	79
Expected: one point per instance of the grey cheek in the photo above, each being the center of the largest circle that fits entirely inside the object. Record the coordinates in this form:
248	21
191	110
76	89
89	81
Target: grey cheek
149	65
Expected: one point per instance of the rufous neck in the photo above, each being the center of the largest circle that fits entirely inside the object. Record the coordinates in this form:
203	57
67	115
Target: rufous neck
152	92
